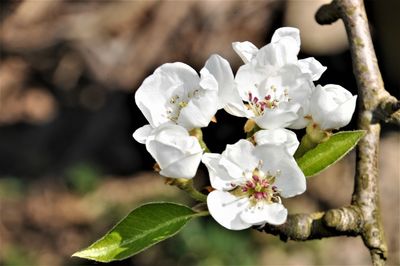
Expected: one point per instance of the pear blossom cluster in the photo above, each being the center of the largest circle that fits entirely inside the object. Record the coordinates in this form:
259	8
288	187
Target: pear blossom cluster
275	91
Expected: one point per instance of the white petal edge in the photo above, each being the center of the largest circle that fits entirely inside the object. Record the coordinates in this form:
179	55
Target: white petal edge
312	66
219	177
225	208
274	213
332	106
342	115
141	134
246	50
228	95
184	168
284	32
278	136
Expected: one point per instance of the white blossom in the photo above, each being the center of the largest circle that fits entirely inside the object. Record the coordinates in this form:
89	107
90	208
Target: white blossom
274	85
249	182
175	93
332	106
177	154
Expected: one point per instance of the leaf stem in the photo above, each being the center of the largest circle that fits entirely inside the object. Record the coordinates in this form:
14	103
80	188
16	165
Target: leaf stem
314	136
202	213
306	144
187	186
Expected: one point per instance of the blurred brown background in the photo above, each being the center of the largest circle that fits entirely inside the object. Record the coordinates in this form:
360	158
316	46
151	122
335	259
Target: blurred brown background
69	167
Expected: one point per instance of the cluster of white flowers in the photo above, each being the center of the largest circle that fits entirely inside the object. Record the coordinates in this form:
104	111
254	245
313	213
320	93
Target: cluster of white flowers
274	89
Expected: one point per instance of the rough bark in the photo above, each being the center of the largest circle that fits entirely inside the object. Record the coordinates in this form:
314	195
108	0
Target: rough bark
362	217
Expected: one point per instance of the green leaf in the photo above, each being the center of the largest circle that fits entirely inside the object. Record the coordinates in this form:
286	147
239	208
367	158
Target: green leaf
142	228
329	152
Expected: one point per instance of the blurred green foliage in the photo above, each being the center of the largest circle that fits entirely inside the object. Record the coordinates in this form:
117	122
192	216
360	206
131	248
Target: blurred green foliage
83	177
17	256
11	187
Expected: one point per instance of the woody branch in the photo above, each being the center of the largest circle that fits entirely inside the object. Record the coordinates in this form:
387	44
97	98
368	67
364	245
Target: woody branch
362	217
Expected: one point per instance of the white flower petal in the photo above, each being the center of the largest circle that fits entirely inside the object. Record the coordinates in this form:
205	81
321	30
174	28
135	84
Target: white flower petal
278	136
289	38
246	50
233	170
228	95
154	94
199	111
342	115
183	168
177	153
284	32
275	55
225	208
312	66
282	116
274	213
248	78
291	180
219	177
141	134
332	106
241	154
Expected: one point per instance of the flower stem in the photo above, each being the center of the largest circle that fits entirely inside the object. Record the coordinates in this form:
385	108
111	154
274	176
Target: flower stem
314	136
306	144
203	213
199	135
187	186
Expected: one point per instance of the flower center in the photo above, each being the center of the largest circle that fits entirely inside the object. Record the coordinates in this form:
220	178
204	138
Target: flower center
177	103
271	100
259	188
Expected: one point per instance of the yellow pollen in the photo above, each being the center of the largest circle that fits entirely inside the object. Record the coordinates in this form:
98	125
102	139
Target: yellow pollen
182	104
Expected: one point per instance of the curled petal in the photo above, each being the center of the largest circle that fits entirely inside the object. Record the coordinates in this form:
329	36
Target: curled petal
312	66
141	134
199	111
278	54
225	208
246	50
289	38
278	136
219	177
287	32
274	213
228	95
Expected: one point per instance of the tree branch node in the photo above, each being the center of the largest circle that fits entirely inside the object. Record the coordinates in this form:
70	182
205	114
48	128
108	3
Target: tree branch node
327	14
